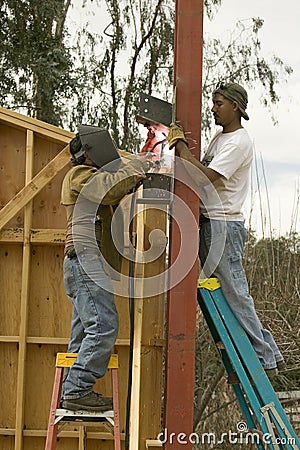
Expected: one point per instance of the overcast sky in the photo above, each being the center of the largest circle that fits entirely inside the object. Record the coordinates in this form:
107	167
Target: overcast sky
278	146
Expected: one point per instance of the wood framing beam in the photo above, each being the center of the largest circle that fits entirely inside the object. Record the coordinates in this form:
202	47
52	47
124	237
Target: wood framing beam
39	127
137	339
182	300
20	404
53	340
34	186
37	236
97	435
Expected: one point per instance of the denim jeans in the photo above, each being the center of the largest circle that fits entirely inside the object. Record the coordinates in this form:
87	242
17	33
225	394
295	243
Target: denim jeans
94	326
221	252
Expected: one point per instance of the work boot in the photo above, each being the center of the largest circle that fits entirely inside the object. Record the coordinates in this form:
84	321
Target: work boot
281	364
90	402
271	373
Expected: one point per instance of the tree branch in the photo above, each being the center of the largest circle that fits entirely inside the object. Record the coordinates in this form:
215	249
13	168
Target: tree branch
206	397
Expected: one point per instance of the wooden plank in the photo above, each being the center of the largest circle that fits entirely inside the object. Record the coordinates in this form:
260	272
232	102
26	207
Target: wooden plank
37	236
150	443
8	375
37	126
15	235
34	186
12	164
137	339
98	435
47	340
10	282
54	340
153	330
7	431
24	300
82	438
48	236
9	338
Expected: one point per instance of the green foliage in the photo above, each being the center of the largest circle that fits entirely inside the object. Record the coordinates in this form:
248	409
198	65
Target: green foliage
96	78
34	61
136	55
240	59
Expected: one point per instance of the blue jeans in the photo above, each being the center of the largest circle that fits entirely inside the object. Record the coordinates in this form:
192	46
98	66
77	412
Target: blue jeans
221	252
94	326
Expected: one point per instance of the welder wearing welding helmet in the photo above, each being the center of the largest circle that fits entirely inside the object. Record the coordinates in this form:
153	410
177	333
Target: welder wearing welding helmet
91	192
97	144
99	169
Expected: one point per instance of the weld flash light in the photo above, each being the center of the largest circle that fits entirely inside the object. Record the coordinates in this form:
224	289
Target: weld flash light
158	184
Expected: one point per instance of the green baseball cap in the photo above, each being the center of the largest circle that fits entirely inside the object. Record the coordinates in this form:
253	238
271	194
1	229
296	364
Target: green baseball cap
236	93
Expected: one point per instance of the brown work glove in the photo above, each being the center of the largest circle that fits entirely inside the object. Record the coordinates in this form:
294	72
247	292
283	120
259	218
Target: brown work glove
176	134
146	160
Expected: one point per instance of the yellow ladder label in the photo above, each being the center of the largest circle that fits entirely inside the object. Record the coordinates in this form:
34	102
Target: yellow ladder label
211	284
68	359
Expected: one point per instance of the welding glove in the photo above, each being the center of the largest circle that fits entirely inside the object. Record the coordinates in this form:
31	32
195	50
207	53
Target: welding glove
176	134
147	160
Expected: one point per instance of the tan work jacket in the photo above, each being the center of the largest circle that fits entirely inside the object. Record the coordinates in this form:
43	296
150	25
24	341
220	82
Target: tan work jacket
90	196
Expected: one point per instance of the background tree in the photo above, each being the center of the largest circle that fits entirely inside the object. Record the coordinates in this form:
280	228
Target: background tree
35	62
66	77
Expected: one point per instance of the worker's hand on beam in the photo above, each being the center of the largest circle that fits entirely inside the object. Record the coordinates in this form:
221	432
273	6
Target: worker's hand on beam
176	134
146	160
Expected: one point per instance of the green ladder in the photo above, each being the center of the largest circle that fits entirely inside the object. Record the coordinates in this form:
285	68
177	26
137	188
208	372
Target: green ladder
266	420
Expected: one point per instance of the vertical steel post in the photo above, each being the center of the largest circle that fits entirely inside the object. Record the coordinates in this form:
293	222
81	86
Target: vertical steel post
181	309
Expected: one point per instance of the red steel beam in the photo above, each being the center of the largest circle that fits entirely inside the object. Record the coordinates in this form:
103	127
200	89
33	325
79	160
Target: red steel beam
182	298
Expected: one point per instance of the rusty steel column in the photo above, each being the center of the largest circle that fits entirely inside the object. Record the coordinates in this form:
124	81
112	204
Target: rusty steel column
182	298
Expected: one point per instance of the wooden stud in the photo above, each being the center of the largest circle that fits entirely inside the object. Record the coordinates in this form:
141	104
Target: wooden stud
137	340
82	438
153	333
24	299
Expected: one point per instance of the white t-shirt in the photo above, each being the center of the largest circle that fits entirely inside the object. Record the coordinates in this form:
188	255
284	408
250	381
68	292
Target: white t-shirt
229	154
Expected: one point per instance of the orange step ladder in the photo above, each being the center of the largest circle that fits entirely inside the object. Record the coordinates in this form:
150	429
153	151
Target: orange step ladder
59	416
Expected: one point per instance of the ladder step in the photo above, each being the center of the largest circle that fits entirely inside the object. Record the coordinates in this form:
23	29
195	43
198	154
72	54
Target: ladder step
61	416
82	416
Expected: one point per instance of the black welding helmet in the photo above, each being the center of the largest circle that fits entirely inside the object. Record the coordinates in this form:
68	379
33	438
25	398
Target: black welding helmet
99	146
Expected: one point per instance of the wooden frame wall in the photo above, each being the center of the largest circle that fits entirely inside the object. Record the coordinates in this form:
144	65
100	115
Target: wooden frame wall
35	314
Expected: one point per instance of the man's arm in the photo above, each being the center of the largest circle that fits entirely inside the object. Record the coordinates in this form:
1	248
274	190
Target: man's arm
109	187
201	174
